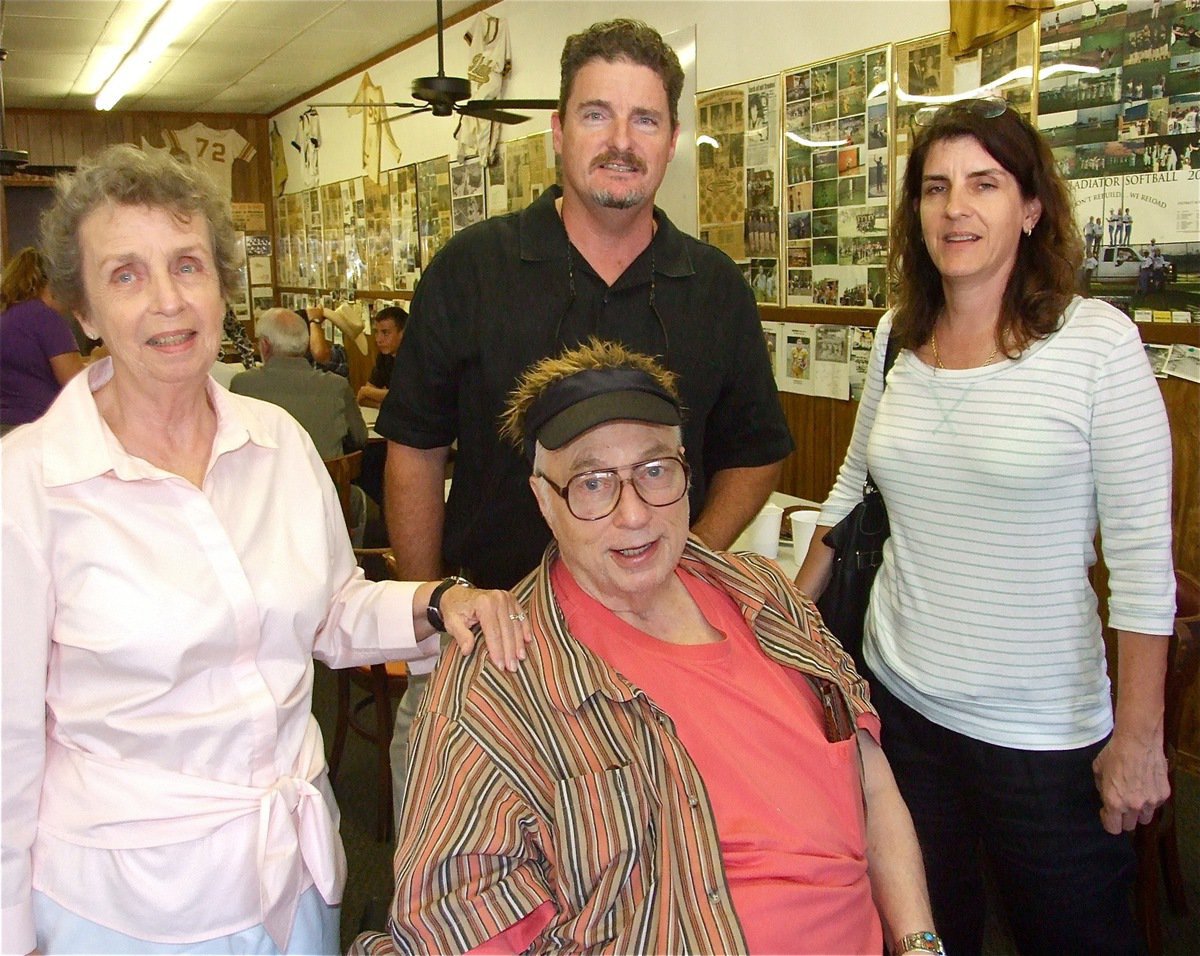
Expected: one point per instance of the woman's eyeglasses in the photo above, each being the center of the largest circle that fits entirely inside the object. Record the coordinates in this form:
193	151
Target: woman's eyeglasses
988	107
592	495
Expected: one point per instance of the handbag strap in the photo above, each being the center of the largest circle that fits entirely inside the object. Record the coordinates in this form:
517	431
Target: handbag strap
889	359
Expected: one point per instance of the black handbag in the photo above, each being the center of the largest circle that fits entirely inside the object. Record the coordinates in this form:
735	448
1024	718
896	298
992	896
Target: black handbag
857	543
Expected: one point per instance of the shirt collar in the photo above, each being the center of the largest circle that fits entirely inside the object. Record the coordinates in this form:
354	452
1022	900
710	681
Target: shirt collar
784	623
580	673
292	363
77	445
543	237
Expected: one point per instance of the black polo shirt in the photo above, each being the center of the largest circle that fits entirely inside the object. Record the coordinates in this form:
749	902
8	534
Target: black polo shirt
504	294
381	374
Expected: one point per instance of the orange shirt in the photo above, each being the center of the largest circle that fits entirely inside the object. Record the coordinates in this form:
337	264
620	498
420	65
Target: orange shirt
788	803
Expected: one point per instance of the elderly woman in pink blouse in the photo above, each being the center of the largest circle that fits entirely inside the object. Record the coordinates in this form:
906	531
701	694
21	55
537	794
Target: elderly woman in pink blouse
174	559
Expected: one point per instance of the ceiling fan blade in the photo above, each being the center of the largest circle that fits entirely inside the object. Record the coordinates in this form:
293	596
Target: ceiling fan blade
482	110
401	106
400	116
507	104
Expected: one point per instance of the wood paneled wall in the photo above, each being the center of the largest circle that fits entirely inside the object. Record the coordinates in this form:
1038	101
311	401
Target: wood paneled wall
61	137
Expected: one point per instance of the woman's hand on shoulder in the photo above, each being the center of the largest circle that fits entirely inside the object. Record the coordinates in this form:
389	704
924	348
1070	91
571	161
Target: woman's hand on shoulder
505	627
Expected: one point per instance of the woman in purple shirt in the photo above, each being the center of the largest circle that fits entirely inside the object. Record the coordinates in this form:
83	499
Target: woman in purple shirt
38	354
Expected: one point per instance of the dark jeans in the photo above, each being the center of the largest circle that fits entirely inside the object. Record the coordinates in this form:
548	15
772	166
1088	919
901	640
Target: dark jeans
1034	816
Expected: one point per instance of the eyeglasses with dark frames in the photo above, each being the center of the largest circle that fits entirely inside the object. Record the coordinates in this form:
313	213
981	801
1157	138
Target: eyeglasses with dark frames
987	107
592	495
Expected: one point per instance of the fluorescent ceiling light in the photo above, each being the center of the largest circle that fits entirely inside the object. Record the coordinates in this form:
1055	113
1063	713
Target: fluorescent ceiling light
170	22
121	33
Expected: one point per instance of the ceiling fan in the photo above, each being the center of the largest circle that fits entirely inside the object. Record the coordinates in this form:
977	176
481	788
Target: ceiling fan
443	95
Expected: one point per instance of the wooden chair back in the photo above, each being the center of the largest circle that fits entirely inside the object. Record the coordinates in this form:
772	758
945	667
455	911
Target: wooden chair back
344	470
1183	657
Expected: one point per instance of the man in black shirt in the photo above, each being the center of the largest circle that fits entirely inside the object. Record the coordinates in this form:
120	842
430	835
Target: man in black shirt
388	327
594	258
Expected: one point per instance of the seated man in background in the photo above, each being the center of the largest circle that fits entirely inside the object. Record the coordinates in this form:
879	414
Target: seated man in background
321	402
687	761
388	326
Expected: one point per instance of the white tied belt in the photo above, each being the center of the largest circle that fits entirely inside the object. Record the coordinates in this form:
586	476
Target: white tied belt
87	802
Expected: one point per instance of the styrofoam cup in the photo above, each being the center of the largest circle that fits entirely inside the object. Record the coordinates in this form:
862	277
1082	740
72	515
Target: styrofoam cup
803	525
764	531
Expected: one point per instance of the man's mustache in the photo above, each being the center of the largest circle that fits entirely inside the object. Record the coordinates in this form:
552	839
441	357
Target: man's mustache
621	157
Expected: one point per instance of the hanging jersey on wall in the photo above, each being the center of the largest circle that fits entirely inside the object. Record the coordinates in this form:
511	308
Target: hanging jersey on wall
491	61
369	98
279	170
308	142
214	149
147	148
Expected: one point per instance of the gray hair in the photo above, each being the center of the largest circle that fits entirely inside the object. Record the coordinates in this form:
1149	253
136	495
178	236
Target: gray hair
284	329
124	175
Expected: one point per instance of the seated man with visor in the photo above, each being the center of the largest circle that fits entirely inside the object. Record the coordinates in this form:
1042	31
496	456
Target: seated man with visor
686	762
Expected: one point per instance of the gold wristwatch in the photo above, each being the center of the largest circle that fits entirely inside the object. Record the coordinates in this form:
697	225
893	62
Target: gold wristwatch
925	942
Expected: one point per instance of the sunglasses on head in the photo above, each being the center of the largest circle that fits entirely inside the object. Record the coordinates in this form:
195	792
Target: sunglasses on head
988	107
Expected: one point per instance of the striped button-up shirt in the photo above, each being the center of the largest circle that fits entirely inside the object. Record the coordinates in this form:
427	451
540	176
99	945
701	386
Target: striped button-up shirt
564	783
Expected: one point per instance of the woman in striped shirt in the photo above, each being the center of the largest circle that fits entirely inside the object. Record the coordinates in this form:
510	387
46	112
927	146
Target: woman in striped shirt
1017	420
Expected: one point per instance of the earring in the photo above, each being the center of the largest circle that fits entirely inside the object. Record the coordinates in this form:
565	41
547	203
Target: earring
1028	231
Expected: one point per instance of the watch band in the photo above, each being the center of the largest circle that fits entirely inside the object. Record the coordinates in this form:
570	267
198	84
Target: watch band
924	942
433	613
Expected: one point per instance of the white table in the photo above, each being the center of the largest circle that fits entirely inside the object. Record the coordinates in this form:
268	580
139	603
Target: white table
370	416
787	560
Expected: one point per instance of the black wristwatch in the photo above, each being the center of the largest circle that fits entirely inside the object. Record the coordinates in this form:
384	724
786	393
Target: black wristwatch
433	613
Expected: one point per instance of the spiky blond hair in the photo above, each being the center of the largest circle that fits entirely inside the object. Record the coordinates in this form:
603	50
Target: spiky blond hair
594	354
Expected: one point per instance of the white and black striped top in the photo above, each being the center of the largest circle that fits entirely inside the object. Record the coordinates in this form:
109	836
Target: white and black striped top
982	617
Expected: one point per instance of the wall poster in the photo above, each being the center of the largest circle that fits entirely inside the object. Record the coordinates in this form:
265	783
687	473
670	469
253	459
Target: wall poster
467	192
837	135
761	225
433	206
1126	133
406	261
530	167
720	160
378	251
333	235
920	68
497	186
309	248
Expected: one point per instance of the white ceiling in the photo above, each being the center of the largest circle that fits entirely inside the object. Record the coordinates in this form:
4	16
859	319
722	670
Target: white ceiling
237	56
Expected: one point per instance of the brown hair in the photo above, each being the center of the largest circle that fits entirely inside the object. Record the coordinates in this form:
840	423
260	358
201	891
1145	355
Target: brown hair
124	175
393	313
1043	277
630	40
594	354
24	277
